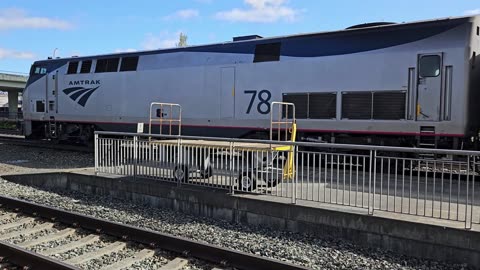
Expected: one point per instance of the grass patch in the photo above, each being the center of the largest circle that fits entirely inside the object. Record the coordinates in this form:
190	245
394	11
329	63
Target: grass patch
8	125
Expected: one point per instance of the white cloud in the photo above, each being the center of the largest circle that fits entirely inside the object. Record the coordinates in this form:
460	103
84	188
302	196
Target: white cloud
161	41
152	41
472	12
13	54
183	14
13	18
265	11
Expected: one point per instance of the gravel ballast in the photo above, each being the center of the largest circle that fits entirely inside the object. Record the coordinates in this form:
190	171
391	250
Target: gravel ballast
313	252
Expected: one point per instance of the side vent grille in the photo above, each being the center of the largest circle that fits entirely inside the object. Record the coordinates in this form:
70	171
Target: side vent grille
389	105
357	105
322	106
380	105
313	105
301	104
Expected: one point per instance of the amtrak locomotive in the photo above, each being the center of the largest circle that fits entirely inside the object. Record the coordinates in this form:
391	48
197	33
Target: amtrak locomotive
407	84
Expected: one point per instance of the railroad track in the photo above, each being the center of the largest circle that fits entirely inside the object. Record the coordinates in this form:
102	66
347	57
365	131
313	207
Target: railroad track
19	140
6	131
26	229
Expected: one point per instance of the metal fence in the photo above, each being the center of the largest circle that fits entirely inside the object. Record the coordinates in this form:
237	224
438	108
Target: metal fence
432	183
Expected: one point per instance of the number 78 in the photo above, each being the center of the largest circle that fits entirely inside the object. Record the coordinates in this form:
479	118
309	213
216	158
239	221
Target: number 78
264	96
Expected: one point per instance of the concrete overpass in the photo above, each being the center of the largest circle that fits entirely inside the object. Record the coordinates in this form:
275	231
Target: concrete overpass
13	84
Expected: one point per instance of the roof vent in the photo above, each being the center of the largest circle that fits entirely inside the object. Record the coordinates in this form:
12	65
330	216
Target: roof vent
240	38
363	25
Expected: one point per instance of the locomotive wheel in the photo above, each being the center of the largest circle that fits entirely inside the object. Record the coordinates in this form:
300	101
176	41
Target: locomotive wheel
207	173
246	181
181	173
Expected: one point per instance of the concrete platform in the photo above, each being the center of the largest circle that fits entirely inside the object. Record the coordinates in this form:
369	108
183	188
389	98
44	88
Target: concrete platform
423	237
418	196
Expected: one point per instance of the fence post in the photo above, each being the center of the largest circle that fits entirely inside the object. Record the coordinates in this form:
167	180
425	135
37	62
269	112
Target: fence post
232	170
295	180
135	156
371	171
474	158
178	164
96	152
467	227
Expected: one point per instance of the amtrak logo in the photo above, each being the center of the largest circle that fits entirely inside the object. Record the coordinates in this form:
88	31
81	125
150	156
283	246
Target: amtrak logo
80	94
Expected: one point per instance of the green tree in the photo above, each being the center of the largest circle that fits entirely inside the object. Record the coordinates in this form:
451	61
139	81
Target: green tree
182	40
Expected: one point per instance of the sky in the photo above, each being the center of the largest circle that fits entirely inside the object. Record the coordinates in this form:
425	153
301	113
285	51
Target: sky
34	30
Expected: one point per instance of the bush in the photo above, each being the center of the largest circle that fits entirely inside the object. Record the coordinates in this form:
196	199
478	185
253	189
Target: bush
8	125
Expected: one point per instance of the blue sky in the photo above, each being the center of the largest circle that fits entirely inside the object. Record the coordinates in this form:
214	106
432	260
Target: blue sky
31	30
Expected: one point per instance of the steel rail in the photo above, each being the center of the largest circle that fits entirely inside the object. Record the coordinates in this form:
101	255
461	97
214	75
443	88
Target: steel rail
42	144
10	132
31	260
203	251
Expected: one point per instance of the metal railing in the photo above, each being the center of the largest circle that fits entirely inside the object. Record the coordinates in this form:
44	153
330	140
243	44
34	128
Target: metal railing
14	72
432	183
167	114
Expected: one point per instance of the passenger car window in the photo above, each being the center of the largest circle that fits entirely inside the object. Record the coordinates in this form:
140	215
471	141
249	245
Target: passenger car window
429	66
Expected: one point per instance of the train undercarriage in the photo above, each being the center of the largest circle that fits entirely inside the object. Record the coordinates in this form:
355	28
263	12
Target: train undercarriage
83	133
73	133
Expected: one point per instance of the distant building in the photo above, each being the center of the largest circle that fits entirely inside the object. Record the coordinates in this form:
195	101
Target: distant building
4	101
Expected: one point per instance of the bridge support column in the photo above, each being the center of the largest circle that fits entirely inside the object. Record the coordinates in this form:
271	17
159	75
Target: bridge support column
12	104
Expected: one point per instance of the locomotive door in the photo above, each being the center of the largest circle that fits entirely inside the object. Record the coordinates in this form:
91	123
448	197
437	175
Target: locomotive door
38	99
429	83
51	93
227	92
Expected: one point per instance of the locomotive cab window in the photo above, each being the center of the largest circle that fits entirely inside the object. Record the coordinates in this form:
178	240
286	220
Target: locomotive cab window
36	70
267	52
429	66
72	67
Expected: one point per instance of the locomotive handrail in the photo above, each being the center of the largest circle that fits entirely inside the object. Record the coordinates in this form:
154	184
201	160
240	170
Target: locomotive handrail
171	120
282	121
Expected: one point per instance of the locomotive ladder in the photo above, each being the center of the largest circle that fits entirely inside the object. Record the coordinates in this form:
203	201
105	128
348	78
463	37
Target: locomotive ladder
427	139
52	127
